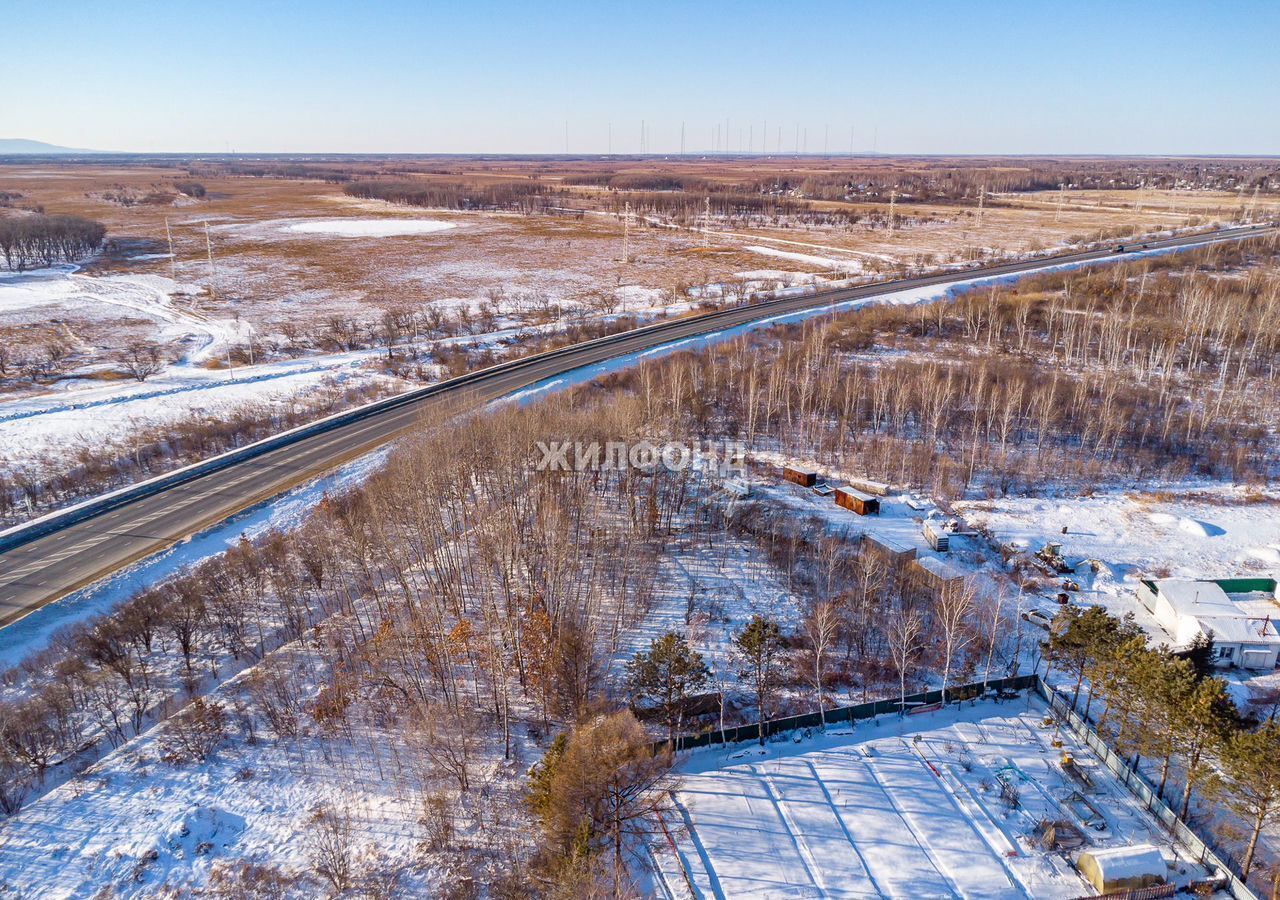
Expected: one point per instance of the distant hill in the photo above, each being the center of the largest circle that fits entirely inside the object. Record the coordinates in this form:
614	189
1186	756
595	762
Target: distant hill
16	146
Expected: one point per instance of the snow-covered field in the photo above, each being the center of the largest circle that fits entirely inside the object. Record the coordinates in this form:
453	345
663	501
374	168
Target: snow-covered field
369	227
822	263
906	807
56	424
171	305
1114	539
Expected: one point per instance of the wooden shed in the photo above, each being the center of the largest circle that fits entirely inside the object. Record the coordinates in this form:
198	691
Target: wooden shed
856	501
805	476
1114	869
891	550
938	575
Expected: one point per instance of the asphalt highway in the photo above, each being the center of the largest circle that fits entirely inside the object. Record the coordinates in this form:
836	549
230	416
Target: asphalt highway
53	565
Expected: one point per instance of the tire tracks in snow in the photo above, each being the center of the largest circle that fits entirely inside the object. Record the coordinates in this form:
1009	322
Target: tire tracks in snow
835	811
811	867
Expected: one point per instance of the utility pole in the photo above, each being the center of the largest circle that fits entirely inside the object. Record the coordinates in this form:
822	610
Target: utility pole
208	246
173	260
893	206
706	222
1062	196
626	235
982	199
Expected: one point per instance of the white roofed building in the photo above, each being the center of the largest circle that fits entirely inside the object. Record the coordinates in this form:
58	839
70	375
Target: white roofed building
1241	615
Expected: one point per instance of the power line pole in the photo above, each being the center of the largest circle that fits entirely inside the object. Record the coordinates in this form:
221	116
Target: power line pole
208	246
982	199
893	207
1062	196
706	222
626	235
173	271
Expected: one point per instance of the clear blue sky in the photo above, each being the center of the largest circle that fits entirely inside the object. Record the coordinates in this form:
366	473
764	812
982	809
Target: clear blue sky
1166	77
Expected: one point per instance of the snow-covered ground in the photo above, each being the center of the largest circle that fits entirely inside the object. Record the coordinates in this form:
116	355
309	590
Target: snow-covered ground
900	807
1114	539
53	425
173	306
822	263
369	227
135	825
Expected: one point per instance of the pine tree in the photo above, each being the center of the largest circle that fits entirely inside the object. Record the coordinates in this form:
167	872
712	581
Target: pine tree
665	676
1252	763
759	648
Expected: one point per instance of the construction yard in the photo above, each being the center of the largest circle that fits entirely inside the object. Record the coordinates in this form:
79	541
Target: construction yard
951	803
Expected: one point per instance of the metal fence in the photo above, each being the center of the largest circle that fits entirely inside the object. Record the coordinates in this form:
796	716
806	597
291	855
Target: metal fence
740	733
1142	789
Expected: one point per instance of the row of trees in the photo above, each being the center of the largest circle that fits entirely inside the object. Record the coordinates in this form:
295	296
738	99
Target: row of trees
44	240
1092	376
1168	712
522	196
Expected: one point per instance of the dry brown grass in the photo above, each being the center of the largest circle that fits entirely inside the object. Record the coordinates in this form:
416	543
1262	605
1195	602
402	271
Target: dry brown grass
270	278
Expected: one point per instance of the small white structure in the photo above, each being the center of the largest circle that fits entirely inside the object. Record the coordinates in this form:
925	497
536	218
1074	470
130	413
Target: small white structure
879	488
1114	869
937	537
1240	613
